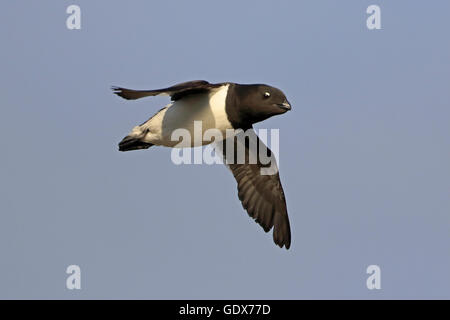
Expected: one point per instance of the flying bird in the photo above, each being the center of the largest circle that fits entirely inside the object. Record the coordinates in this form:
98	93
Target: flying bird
223	106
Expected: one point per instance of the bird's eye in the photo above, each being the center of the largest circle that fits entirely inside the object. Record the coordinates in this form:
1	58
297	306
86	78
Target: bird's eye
266	94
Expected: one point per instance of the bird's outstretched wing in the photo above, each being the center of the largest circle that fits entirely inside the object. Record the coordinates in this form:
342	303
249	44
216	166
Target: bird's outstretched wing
176	92
258	184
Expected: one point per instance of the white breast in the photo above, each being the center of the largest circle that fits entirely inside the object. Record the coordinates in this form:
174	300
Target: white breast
207	109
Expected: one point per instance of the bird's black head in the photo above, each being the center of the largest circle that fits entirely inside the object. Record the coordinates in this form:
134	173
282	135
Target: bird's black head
257	102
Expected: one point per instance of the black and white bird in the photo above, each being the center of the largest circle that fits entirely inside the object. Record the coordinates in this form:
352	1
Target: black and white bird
222	106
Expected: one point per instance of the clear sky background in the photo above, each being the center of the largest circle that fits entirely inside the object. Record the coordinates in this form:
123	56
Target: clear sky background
364	154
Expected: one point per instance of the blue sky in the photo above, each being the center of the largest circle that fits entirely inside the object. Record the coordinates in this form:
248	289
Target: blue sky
364	153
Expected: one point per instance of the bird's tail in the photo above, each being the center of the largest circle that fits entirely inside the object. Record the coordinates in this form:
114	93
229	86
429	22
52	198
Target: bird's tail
133	143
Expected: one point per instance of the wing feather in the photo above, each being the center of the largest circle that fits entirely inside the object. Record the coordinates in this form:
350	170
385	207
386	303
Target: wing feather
176	92
261	195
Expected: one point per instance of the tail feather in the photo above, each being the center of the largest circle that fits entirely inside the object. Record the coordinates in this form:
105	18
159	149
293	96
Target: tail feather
132	143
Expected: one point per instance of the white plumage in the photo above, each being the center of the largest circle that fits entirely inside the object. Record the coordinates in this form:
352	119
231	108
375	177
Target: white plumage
208	108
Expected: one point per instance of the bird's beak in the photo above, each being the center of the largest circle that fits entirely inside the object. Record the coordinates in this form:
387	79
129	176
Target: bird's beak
285	105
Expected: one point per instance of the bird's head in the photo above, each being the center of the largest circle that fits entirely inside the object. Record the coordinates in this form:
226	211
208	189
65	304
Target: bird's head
258	102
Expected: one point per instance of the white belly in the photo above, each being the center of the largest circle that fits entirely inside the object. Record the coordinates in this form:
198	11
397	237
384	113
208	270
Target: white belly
193	115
